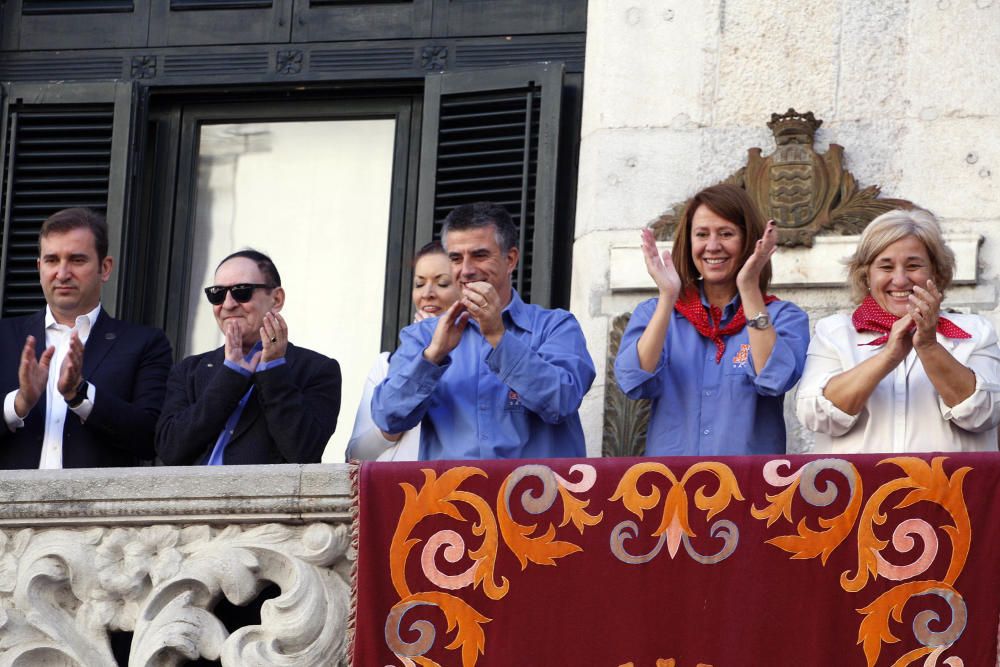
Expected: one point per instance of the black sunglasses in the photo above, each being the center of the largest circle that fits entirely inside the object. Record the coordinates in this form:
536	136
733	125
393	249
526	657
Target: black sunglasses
241	293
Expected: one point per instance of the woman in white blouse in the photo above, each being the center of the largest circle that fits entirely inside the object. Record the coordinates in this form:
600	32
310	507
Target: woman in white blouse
896	375
434	290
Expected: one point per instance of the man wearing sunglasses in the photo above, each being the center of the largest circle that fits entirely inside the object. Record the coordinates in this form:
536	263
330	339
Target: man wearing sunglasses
258	398
82	389
492	377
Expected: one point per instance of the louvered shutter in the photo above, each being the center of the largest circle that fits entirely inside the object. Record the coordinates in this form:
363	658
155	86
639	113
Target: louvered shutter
63	146
493	135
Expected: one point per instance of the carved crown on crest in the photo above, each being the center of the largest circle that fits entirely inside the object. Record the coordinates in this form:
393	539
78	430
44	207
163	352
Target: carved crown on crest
806	193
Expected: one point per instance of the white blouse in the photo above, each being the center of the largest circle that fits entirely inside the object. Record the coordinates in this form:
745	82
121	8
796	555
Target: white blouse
905	412
367	441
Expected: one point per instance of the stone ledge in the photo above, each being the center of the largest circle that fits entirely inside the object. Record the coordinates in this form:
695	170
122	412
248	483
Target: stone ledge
818	266
187	494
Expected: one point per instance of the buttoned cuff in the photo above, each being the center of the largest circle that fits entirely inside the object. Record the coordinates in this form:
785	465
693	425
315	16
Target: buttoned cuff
9	415
86	405
265	365
232	365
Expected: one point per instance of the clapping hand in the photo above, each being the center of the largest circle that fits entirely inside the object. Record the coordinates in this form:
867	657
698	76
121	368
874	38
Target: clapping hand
764	249
660	267
925	308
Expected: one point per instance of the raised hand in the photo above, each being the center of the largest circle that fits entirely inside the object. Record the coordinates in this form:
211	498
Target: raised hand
71	372
925	308
900	340
32	376
660	267
273	337
234	347
483	305
749	275
447	333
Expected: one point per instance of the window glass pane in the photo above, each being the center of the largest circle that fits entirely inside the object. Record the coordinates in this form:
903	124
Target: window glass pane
314	195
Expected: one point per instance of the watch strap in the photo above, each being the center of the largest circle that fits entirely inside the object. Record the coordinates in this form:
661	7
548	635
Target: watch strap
79	396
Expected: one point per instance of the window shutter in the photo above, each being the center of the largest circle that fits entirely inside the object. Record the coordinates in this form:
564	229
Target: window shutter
63	146
494	135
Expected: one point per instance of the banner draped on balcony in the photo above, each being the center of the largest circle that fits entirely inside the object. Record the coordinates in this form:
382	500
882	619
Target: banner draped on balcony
680	562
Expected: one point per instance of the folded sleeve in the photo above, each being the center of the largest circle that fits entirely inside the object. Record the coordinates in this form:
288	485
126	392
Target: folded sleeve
401	400
788	356
980	411
631	378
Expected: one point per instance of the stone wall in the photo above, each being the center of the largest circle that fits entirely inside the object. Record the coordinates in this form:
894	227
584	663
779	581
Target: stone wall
147	554
675	93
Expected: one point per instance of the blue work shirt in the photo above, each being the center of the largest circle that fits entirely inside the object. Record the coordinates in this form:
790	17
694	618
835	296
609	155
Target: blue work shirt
519	400
219	450
705	408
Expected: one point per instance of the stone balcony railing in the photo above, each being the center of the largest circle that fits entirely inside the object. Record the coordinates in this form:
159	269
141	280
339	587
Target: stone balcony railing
87	554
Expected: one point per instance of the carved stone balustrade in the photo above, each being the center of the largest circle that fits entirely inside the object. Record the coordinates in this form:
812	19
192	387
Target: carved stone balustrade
150	551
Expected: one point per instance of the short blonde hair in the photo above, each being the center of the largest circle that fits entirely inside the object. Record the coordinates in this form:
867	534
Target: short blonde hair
890	227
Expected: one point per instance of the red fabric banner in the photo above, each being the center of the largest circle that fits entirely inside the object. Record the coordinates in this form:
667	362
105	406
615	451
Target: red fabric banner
680	562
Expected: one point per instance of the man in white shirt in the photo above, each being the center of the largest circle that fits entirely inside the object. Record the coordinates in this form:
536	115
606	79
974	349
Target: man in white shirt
81	389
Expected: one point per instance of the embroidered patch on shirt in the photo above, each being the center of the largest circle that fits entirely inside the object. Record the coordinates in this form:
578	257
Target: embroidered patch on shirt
741	357
513	401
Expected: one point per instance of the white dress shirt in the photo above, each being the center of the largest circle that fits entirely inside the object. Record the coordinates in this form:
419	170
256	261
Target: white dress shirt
905	413
55	405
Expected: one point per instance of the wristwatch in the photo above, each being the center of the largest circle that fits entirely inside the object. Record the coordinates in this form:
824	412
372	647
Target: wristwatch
79	396
759	321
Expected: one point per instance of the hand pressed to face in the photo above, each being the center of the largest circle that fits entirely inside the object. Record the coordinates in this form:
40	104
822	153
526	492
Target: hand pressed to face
234	346
485	306
660	267
274	337
447	333
248	317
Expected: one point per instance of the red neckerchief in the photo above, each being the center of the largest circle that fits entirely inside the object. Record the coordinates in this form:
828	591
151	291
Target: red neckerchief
870	316
690	308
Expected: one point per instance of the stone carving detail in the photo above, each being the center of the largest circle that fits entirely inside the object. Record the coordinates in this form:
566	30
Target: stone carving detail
289	62
805	192
625	420
63	590
143	67
434	58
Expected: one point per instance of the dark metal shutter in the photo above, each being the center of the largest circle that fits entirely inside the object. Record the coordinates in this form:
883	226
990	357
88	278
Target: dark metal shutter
29	7
60	150
56	158
493	135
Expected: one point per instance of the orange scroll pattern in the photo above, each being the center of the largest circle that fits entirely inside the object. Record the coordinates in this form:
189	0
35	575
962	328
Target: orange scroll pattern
528	543
920	482
675	525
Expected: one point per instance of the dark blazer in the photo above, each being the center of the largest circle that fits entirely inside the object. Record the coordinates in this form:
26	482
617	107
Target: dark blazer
289	417
126	363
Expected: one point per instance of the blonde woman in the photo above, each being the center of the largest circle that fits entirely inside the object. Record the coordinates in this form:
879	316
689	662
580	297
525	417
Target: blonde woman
434	290
898	375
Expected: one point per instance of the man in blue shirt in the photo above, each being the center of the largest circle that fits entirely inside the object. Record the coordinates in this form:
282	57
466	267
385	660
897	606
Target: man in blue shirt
258	398
493	377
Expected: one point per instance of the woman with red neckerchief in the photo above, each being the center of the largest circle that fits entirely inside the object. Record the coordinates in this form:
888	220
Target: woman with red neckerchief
714	351
897	375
